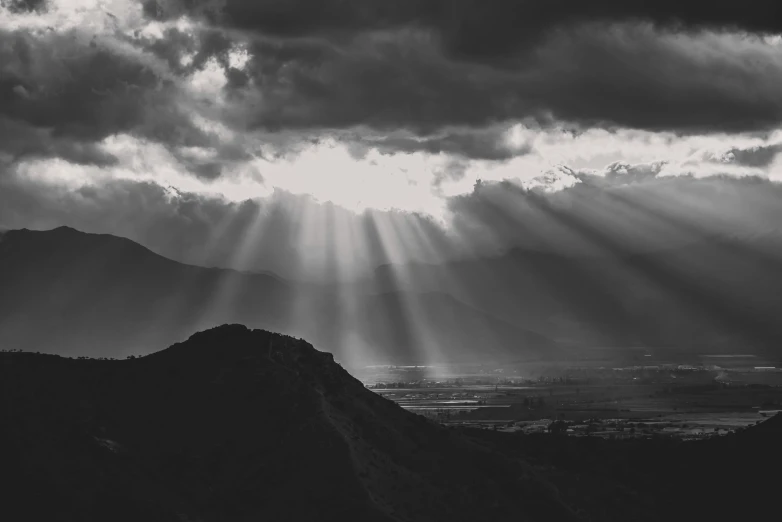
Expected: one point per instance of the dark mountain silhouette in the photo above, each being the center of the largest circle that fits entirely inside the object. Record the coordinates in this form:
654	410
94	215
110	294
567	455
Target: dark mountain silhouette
73	293
68	292
717	294
722	478
238	424
101	295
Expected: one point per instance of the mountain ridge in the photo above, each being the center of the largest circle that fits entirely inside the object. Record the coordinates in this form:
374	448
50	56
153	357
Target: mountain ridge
718	292
88	294
240	424
316	446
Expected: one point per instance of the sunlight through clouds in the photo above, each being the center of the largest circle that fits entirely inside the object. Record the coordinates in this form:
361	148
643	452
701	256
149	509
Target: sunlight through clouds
363	147
388	119
330	173
326	167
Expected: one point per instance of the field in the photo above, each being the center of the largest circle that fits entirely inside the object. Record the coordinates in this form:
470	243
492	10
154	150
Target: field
687	402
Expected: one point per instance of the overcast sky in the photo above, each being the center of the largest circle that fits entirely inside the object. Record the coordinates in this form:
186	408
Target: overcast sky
245	132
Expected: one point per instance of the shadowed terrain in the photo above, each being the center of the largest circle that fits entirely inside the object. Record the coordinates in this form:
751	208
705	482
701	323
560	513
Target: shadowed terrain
239	424
720	294
72	293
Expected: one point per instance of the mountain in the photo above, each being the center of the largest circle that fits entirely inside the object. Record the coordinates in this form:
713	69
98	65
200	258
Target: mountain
239	424
87	294
719	294
73	293
727	477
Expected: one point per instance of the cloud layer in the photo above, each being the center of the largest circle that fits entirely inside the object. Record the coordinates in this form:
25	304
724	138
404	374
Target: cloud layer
217	121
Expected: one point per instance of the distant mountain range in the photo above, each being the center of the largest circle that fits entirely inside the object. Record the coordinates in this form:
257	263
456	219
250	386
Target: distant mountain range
717	295
68	292
238	424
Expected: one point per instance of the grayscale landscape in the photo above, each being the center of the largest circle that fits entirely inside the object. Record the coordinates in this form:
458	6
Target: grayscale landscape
392	261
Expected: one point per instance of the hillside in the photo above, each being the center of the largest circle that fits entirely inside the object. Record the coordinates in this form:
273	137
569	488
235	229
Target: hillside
238	424
720	294
71	293
723	478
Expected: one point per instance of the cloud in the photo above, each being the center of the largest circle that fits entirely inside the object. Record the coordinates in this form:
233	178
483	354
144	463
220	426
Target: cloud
24	6
83	92
383	76
623	208
384	81
299	17
496	143
67	93
757	156
638	77
486	32
211	117
20	141
390	67
633	76
283	232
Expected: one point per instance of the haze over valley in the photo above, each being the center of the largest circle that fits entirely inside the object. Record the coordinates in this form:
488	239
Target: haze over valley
110	297
393	261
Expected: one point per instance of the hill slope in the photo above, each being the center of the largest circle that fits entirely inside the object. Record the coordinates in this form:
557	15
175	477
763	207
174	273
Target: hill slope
73	293
237	424
719	294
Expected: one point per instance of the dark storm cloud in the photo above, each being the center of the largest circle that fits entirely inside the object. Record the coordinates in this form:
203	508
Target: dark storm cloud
83	92
631	76
391	64
470	28
480	29
61	94
637	77
321	69
24	6
22	141
384	81
300	17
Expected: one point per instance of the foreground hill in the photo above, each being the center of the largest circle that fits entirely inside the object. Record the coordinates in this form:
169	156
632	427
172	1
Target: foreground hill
730	477
71	293
238	424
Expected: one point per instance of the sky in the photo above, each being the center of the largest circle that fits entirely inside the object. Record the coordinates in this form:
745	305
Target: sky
280	134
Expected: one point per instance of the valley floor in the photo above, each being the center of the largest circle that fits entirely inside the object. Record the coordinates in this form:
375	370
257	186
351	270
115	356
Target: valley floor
701	408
